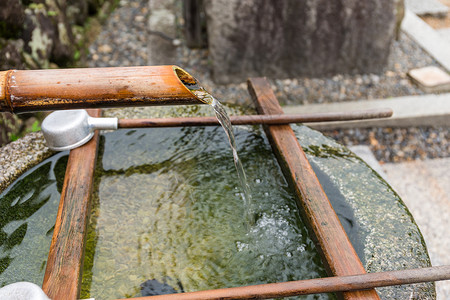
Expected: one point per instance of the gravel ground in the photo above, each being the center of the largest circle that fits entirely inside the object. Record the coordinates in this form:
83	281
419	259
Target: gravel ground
398	144
124	42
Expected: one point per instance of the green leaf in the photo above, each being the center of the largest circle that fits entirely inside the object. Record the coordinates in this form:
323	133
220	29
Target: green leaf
35	127
13	137
77	55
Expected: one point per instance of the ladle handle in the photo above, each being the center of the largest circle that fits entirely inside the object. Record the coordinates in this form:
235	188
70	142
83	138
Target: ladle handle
36	90
103	123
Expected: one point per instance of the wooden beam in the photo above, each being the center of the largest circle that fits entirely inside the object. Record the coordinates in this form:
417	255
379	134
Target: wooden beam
65	260
331	240
315	286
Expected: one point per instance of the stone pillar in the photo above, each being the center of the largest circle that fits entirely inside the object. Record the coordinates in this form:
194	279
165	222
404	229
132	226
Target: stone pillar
291	38
161	22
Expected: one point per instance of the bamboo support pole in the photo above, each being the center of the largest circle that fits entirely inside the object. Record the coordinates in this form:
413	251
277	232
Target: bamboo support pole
62	277
34	90
315	286
340	257
257	119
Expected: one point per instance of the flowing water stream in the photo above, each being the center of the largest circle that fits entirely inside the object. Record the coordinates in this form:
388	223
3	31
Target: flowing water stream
225	122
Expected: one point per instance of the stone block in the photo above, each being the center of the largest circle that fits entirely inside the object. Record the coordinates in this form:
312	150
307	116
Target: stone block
431	79
285	39
48	31
38	35
9	126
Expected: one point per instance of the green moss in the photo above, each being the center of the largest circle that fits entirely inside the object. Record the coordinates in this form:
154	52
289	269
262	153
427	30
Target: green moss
35	126
52	13
36	6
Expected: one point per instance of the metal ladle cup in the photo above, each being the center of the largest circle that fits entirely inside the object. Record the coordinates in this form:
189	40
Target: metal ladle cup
69	129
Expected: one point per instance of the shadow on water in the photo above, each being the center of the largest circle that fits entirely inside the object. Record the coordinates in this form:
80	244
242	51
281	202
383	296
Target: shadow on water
343	211
28	212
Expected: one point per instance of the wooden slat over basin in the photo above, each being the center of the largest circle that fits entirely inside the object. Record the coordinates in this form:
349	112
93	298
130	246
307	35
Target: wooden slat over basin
332	242
62	277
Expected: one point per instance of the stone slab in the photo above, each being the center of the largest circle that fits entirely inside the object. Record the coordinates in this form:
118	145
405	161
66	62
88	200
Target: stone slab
285	39
428	38
424	187
426	110
445	34
427	7
431	79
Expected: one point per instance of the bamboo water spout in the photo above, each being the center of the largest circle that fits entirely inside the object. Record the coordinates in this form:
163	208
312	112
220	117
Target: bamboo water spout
37	90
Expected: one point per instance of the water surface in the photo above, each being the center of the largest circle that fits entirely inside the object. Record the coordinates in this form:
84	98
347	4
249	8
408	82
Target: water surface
169	207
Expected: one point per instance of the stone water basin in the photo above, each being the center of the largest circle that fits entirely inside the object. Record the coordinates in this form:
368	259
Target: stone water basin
167	206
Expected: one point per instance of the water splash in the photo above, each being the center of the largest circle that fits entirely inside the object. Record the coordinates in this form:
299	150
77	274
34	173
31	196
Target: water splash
225	121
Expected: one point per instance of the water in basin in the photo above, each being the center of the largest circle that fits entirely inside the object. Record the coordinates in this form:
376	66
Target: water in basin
168	206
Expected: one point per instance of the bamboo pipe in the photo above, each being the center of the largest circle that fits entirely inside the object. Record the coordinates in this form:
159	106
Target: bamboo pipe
257	119
316	286
35	90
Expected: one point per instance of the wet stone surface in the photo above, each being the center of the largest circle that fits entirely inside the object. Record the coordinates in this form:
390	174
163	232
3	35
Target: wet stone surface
28	211
19	156
391	240
332	161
